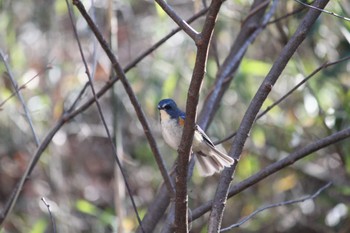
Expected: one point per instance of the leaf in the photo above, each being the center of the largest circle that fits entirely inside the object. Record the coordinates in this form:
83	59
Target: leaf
160	12
39	226
254	67
86	207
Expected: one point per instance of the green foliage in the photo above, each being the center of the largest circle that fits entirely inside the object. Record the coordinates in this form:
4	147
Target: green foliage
39	226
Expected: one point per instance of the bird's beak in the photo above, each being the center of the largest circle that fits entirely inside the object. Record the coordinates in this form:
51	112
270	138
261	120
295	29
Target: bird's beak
159	107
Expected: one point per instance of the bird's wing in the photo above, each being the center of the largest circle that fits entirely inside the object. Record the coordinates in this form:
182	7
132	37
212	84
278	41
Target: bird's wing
205	137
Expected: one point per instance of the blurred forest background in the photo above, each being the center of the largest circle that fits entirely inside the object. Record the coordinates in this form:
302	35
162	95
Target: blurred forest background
77	174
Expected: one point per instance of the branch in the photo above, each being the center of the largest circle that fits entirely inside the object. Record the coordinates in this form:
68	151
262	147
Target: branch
245	219
203	42
23	86
99	109
323	66
121	75
161	203
14	196
277	166
72	113
20	97
323	10
50	214
249	32
177	19
253	109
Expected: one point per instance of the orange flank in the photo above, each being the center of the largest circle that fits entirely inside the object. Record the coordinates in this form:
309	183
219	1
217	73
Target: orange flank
181	121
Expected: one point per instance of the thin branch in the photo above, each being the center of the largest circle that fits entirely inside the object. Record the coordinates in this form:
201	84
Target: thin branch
294	12
177	19
323	10
163	40
23	86
256	9
20	97
253	109
99	108
121	75
277	166
284	203
249	32
33	161
137	60
269	108
50	214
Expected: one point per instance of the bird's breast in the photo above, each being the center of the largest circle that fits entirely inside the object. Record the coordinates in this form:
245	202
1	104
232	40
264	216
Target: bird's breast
171	132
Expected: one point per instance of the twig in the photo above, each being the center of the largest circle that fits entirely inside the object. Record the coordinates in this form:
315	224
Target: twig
177	19
163	40
323	66
253	109
136	60
50	214
20	97
23	86
289	202
111	143
277	166
121	75
323	10
14	196
296	11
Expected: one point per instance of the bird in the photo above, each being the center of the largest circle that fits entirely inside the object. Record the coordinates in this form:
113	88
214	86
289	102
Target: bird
172	121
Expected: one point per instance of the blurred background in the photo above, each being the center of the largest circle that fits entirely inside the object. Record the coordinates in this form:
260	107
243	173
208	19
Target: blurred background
77	173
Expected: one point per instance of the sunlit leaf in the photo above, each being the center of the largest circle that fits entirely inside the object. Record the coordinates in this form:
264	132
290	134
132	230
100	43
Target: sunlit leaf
285	183
160	12
39	226
255	67
86	207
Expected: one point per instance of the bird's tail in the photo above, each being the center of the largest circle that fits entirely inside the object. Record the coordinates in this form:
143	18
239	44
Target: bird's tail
216	161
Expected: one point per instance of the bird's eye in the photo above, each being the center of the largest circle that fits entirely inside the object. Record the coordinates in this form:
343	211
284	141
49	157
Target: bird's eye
167	107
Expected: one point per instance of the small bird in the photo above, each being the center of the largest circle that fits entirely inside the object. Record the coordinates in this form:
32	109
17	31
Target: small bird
172	120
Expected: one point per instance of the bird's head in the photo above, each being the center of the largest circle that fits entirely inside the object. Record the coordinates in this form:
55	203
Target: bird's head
168	109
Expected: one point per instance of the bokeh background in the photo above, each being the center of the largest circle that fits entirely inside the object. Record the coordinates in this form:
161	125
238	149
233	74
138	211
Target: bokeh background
77	173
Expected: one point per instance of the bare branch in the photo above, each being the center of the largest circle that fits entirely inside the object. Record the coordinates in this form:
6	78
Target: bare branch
323	66
253	109
20	97
102	116
283	203
181	204
23	86
250	30
277	166
121	75
50	214
177	19
14	196
323	10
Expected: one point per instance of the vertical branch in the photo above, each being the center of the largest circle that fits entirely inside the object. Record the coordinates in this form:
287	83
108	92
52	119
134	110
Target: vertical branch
202	42
20	97
253	109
